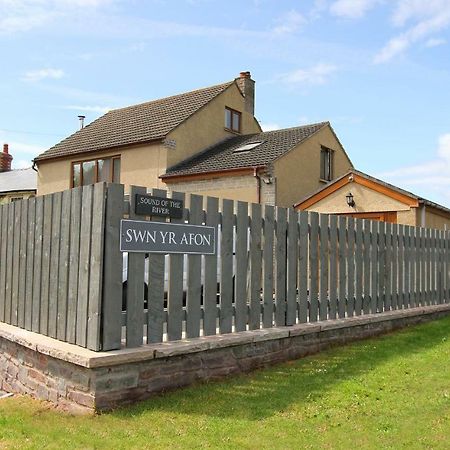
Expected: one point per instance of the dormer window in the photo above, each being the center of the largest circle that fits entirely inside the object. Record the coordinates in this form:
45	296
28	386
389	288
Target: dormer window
232	120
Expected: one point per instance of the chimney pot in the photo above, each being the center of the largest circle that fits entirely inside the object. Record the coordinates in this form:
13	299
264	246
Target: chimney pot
5	148
245	75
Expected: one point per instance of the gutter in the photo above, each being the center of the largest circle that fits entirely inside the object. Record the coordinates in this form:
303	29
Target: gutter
258	184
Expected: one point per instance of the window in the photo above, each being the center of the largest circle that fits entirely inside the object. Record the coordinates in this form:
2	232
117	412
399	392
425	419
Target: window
247	147
326	164
89	172
232	120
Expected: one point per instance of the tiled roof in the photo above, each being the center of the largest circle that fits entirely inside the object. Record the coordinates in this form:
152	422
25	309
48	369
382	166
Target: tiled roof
135	124
226	155
18	180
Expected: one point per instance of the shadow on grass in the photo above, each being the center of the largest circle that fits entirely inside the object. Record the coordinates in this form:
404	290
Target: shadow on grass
262	393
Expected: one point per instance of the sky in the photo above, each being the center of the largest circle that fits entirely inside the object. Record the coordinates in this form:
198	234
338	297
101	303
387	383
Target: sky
378	70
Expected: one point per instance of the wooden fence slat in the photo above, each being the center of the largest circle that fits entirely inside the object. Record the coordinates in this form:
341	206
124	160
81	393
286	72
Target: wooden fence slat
156	288
416	267
373	266
111	330
433	265
303	310
388	268
175	291
16	263
241	266
226	269
342	266
269	226
333	267
83	268
135	283
256	267
381	266
407	256
313	266
45	274
401	265
22	263
38	236
359	267
9	263
194	273
29	275
351	267
394	286
63	266
280	266
428	269
439	267
75	226
422	268
3	246
54	262
211	281
324	256
291	276
96	268
367	254
412	265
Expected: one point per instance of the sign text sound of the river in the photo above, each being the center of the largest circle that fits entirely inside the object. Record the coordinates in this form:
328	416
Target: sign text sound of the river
161	237
149	205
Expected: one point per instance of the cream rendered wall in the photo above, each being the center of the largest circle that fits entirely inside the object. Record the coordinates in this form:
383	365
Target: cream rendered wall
242	187
139	165
408	217
207	126
298	172
436	219
366	200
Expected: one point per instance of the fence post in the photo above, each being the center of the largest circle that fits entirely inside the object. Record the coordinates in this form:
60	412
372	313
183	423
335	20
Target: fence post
111	330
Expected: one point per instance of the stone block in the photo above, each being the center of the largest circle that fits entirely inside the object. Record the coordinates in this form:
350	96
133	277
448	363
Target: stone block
115	382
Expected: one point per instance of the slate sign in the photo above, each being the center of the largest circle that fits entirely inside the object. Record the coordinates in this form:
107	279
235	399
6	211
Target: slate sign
149	205
160	237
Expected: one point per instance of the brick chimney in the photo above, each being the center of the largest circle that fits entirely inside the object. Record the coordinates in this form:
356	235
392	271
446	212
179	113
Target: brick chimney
247	87
5	159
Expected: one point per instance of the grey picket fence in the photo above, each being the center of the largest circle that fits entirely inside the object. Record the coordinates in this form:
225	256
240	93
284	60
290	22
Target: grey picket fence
274	267
62	273
51	263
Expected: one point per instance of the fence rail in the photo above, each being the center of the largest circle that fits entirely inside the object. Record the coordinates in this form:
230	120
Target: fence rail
62	273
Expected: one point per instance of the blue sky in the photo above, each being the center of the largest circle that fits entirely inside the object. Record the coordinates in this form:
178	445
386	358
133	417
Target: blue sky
378	70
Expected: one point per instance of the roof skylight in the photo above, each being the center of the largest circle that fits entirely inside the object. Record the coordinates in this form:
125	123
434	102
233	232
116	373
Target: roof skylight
247	147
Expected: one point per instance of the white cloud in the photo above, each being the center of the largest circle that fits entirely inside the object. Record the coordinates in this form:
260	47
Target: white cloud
428	18
90	108
352	9
435	42
431	176
289	23
42	74
315	75
24	15
270	126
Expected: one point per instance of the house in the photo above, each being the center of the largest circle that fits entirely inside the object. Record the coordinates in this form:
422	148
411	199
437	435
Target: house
206	141
273	167
15	184
362	196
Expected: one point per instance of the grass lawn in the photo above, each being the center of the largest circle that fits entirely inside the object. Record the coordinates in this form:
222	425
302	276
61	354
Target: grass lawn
390	392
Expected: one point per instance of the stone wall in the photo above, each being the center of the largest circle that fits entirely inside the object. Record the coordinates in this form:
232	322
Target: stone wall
84	381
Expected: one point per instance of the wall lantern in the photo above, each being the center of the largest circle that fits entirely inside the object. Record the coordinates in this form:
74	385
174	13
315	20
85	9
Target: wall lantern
350	200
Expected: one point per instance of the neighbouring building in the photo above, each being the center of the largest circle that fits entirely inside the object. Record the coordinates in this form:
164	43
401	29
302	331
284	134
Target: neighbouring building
15	184
207	141
362	196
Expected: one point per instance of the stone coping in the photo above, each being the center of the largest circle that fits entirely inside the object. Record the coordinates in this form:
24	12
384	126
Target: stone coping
87	358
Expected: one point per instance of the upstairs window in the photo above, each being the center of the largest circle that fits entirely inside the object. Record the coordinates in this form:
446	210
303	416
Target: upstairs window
93	171
232	120
326	164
